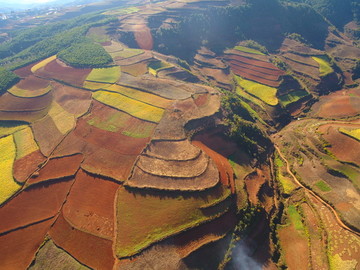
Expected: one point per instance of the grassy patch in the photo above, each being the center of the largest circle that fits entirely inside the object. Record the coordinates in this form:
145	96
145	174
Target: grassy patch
323	186
121	11
10	127
353	133
7	184
113	123
156	66
16	91
292	97
98	34
248	50
85	55
141	96
127	53
246	96
324	65
104	75
96	85
7	79
133	107
63	120
262	92
295	218
146	219
42	63
337	263
25	143
287	185
143	130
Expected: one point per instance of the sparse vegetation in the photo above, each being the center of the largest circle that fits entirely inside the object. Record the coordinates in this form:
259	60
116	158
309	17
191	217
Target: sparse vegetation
324	65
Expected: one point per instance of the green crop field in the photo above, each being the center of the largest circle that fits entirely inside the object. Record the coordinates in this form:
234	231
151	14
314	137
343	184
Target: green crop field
133	107
126	53
156	66
262	92
8	153
248	50
296	218
354	133
324	65
323	186
292	97
105	75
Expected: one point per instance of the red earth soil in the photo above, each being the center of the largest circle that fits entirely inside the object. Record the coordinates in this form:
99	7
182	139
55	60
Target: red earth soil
201	100
194	238
58	168
11	103
253	62
260	72
18	248
58	70
46	135
246	75
254	182
32	83
74	100
143	37
342	146
87	216
25	71
25	166
88	249
34	204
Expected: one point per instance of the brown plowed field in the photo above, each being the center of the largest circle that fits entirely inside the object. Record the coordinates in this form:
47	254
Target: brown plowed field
252	71
216	74
274	74
225	169
72	144
32	83
46	135
137	69
310	71
254	182
253	62
338	104
12	103
141	179
342	146
168	168
172	150
25	71
25	166
134	60
73	100
143	37
107	163
254	56
201	100
90	250
58	168
209	61
27	116
34	204
113	141
18	248
301	59
58	70
243	73
90	205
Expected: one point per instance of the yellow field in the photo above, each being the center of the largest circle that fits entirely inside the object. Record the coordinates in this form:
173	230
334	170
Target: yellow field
29	93
104	75
248	50
63	120
96	85
7	184
25	142
133	107
324	65
126	53
42	63
262	92
141	96
354	133
9	128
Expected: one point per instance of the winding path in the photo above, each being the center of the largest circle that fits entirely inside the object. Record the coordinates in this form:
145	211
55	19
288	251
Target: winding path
339	221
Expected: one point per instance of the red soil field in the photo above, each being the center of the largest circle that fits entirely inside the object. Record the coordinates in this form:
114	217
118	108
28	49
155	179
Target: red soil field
25	166
11	103
73	100
81	211
243	73
338	104
33	204
134	60
27	116
217	74
72	144
143	37
225	169
342	146
113	141
60	71
104	162
25	71
46	135
18	248
32	83
261	72
58	168
201	100
90	250
254	182
253	62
